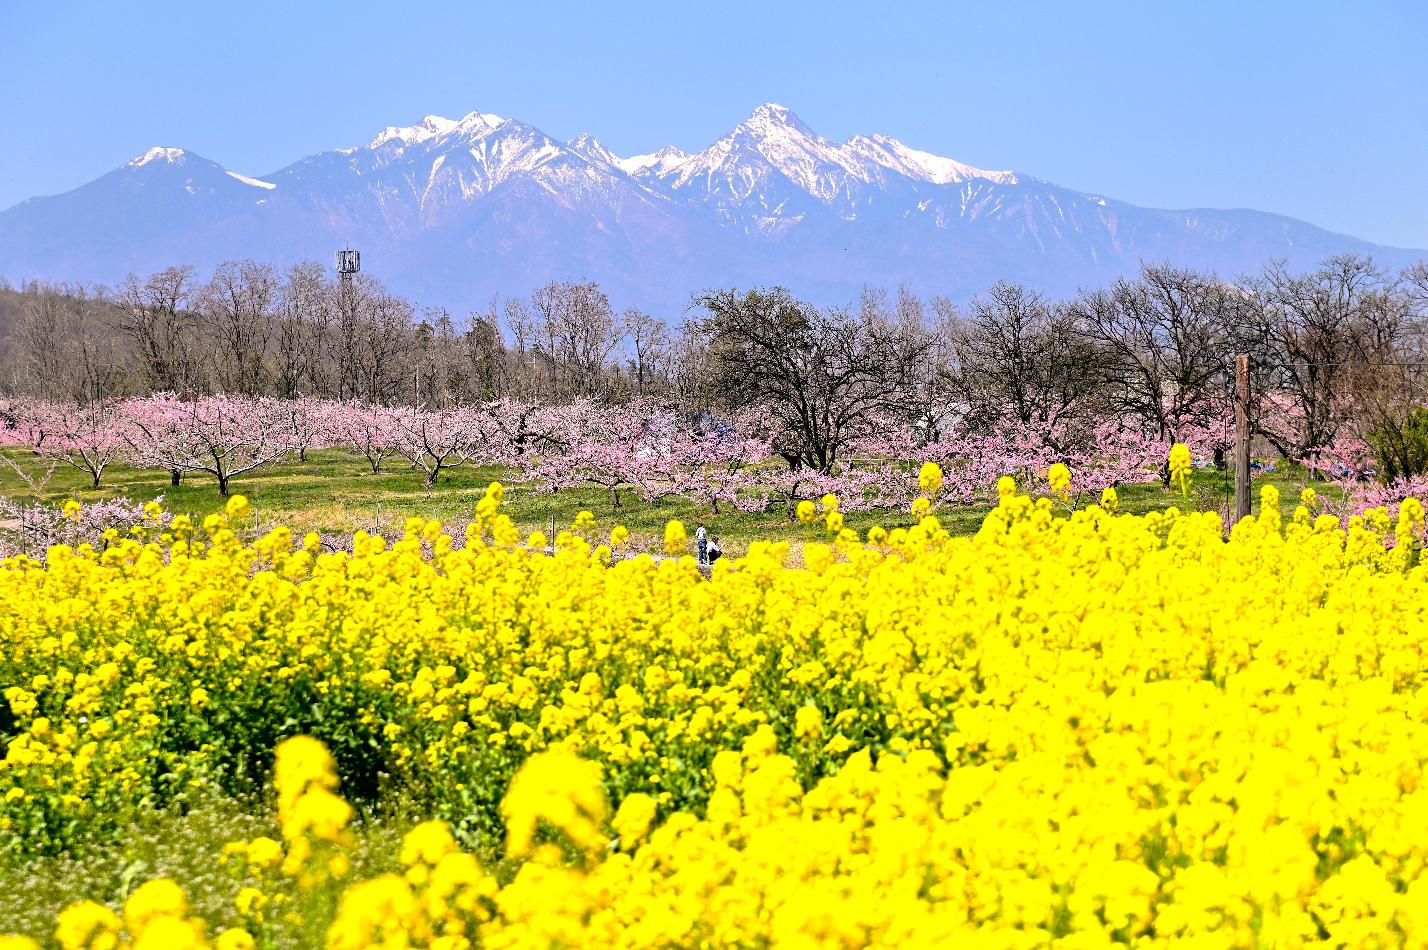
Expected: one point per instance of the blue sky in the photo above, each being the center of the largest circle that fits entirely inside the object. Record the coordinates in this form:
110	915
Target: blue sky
1311	109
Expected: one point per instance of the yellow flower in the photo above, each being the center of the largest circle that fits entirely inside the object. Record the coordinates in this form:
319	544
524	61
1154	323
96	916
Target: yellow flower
1058	477
808	722
559	788
17	943
237	507
675	540
263	852
427	843
72	509
980	740
249	901
929	478
151	901
633	818
87	924
806	511
234	939
1180	466
1109	499
170	933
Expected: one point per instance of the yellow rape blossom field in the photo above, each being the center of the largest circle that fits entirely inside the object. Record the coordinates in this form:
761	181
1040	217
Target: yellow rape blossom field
1065	731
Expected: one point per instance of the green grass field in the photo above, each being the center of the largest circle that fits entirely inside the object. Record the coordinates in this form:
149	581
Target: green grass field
334	492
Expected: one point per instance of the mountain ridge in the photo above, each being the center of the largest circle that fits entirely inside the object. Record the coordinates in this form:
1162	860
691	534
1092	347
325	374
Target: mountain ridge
453	211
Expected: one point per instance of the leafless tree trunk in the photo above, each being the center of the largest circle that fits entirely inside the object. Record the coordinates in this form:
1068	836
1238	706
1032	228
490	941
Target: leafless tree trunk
155	316
649	345
238	308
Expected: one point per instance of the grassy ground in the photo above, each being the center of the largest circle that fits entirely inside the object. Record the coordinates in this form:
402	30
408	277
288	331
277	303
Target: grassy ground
333	491
184	842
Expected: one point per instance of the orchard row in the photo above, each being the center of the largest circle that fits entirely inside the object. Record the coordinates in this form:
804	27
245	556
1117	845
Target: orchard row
735	459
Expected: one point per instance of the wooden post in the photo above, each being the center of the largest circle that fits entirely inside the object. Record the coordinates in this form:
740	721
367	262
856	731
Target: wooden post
1242	437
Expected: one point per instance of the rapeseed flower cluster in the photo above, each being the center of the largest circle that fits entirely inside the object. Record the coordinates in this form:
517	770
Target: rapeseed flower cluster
1180	466
1074	730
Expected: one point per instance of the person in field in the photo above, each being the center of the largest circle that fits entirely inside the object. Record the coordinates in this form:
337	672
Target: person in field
701	543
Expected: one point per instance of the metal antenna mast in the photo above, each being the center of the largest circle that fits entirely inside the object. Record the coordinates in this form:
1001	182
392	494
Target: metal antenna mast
349	262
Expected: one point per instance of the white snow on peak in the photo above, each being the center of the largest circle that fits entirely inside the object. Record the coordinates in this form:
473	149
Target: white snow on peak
774	119
478	122
255	182
428	128
592	149
434	127
774	137
660	162
159	154
914	163
771	136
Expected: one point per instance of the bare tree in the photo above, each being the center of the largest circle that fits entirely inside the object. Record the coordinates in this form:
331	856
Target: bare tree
238	306
649	348
299	363
155	315
577	332
1326	337
62	347
1164	342
384	343
486	355
822	376
1017	357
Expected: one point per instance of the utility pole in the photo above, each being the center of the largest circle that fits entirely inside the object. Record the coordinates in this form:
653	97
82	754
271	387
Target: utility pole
1242	437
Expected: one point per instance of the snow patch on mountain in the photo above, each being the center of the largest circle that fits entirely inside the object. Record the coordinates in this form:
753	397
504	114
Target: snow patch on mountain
891	154
593	150
660	162
255	182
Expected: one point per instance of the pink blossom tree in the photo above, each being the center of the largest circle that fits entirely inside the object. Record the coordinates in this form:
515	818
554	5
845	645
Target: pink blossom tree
372	431
27	424
305	419
88	438
609	447
224	436
157	433
715	465
436	440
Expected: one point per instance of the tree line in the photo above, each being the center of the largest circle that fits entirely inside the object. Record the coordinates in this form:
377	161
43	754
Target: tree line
1337	353
254	331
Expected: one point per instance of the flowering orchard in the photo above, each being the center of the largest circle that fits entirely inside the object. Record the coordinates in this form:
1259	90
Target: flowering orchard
1075	731
642	449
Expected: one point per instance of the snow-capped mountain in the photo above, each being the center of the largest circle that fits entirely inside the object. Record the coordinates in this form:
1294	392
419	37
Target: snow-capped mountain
454	211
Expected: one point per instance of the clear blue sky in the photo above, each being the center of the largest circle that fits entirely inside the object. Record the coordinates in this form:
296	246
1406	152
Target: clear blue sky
1313	109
